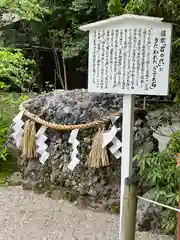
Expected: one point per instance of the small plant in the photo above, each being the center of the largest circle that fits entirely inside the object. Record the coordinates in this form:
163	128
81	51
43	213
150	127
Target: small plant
3	86
174	143
160	172
115	209
163	120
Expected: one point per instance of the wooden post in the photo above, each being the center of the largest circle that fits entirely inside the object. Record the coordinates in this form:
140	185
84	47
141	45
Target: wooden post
178	225
129	212
128	191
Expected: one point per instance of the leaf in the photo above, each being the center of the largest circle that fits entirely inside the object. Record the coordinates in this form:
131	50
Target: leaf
170	195
12	68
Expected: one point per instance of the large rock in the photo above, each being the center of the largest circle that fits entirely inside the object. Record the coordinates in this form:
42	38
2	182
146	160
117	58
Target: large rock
75	107
149	216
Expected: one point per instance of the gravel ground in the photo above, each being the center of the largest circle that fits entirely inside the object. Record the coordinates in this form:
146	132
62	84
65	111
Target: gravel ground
26	216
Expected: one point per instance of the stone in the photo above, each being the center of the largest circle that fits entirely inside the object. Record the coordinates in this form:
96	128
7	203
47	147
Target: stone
48	193
83	105
82	202
87	140
82	189
95	112
149	216
148	147
15	179
57	194
78	107
28	185
139	123
61	180
93	192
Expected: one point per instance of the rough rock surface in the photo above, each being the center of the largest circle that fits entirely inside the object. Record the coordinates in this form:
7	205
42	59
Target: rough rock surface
149	216
99	186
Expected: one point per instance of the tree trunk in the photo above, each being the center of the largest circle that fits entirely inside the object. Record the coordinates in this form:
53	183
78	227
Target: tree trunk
65	74
58	68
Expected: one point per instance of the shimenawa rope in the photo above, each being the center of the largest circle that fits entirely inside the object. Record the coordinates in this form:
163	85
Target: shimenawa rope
61	127
98	156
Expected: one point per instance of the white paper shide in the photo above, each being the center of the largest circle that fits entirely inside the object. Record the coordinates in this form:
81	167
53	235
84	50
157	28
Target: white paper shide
41	145
110	137
73	140
18	129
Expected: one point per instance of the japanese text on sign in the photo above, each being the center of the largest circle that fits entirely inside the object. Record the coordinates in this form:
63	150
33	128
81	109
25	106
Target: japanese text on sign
130	60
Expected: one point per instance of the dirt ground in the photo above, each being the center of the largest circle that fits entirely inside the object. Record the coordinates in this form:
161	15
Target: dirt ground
26	216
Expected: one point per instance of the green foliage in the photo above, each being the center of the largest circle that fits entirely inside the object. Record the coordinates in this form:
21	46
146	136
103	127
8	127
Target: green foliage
115	208
159	171
66	19
61	29
25	9
3	86
115	8
163	120
174	143
3	132
14	66
167	9
175	70
9	106
3	176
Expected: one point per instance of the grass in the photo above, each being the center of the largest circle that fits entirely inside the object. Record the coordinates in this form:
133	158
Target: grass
7	168
115	209
3	176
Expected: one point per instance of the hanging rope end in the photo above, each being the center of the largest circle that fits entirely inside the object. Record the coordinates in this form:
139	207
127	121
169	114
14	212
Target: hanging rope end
29	140
98	156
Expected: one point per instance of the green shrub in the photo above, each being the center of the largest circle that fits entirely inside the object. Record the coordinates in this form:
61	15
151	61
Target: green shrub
160	172
174	143
9	103
15	67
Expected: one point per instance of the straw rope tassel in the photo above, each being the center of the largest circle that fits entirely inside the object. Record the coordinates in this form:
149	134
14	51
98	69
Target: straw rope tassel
29	140
98	156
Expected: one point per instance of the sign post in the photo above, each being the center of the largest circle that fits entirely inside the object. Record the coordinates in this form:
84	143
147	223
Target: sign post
129	55
128	191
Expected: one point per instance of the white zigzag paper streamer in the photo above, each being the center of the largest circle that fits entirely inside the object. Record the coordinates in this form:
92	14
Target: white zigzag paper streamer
110	136
114	119
115	148
42	146
18	130
73	140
